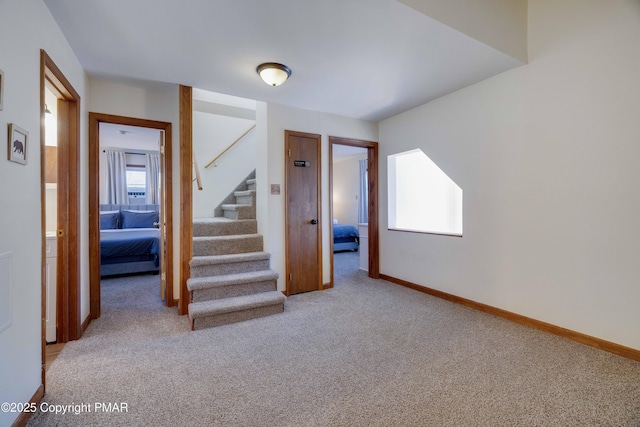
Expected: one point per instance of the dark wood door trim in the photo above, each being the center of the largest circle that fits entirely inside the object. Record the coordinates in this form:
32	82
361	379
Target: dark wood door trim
372	164
186	194
94	202
69	323
68	302
287	135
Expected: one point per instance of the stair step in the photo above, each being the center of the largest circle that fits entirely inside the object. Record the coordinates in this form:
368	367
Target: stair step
223	226
231	285
217	265
221	245
251	183
247	197
235	211
207	314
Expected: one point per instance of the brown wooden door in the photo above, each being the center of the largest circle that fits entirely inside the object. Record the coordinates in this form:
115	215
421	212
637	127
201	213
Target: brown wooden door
303	208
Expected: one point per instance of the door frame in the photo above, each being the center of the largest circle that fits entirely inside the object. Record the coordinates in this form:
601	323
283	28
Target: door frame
69	323
372	164
94	203
287	168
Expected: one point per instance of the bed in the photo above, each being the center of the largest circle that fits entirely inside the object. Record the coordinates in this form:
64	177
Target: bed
129	240
345	238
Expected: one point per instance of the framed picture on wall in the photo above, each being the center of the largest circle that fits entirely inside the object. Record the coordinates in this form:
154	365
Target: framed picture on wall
18	144
1	88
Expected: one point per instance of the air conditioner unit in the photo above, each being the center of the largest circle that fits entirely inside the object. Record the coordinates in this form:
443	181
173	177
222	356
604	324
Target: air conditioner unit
137	197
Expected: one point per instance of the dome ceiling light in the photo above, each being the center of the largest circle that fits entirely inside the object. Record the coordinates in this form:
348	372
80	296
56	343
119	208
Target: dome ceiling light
273	74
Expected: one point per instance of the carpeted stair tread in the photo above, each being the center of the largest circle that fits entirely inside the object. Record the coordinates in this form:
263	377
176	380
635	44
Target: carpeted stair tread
228	258
228	263
239	211
232	244
223	226
212	220
230	237
247	197
198	283
228	305
234	207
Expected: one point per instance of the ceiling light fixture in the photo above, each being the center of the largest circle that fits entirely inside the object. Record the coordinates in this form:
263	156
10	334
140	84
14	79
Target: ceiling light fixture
273	74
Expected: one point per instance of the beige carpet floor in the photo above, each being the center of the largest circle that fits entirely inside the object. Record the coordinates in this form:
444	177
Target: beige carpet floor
366	353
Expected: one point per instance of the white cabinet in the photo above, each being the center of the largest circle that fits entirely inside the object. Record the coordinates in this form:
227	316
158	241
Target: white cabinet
51	250
363	230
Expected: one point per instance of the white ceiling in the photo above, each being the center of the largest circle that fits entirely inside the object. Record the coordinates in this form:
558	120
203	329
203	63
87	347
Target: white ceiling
368	59
344	152
129	137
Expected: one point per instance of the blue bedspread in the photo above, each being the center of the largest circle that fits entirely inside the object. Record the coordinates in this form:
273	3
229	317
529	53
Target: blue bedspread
343	231
130	242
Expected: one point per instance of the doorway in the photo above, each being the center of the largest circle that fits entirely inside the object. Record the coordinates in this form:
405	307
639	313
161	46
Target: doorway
60	185
165	223
368	151
303	212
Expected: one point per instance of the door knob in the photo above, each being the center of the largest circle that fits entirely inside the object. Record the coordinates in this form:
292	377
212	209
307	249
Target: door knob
314	221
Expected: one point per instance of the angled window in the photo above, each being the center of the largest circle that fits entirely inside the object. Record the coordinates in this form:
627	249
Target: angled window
422	198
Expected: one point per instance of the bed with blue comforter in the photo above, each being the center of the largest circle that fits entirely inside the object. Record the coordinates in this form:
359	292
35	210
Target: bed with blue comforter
129	239
345	238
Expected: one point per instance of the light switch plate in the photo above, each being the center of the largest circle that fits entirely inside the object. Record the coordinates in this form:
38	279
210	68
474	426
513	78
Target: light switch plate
275	189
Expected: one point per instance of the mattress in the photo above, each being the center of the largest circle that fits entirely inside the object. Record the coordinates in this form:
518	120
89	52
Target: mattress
129	244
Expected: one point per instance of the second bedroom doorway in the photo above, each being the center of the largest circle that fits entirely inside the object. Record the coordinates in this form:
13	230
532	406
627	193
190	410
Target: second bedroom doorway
130	205
353	206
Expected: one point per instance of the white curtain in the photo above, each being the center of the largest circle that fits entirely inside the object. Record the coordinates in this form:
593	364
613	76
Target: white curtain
363	206
116	177
152	164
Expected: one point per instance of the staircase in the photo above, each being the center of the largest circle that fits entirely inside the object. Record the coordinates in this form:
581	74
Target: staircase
231	279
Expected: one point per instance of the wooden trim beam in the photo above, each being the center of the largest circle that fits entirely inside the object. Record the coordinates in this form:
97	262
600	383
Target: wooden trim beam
620	350
186	194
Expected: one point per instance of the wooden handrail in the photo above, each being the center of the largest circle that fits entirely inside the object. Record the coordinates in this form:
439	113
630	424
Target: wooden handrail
213	162
195	166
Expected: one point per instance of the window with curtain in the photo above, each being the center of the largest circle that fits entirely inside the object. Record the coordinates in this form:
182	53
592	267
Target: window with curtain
152	168
116	177
363	206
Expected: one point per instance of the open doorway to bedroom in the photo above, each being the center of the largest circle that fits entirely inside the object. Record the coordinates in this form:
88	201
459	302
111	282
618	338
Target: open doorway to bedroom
353	188
130	209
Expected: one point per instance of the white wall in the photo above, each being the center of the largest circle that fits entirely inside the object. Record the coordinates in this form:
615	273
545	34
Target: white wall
25	28
151	101
346	190
501	24
270	170
547	156
212	134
